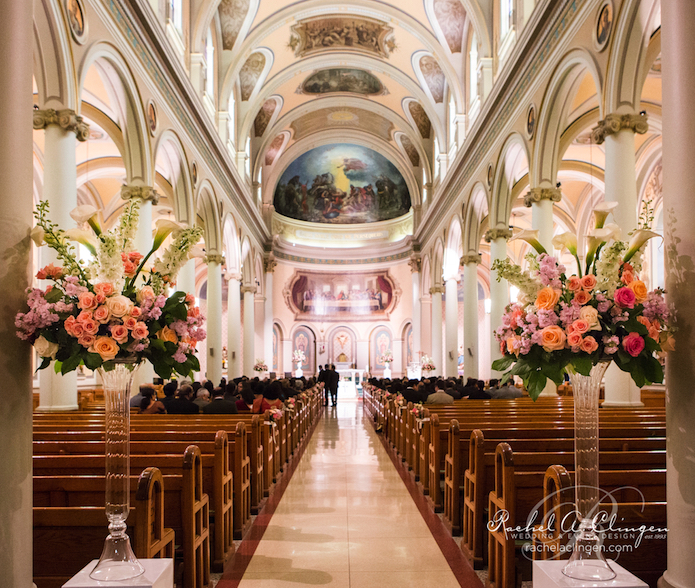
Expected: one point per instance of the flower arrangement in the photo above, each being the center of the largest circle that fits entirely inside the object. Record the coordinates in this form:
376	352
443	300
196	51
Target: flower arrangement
386	358
418	410
260	366
116	306
298	356
606	313
426	364
290	403
399	401
275	414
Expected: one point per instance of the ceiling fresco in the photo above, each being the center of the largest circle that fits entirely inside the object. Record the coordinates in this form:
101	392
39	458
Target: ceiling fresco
356	81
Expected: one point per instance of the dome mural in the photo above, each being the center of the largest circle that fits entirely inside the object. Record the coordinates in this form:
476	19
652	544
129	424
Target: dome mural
342	184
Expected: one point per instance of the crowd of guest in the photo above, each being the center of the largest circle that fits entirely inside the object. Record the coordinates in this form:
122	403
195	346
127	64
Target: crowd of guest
445	391
238	395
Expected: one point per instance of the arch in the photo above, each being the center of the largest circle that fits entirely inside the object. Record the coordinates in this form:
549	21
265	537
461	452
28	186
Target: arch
512	164
454	249
553	114
246	261
207	11
207	210
475	211
54	69
333	349
426	276
474	15
231	244
628	62
437	263
170	148
137	154
452	82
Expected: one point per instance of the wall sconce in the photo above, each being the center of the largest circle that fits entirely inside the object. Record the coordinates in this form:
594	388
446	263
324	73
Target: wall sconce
488	306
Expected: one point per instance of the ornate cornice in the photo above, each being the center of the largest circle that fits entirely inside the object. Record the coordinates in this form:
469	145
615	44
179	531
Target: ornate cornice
66	118
497	233
471	258
535	195
614	123
232	276
144	193
269	265
415	264
248	288
437	290
217	258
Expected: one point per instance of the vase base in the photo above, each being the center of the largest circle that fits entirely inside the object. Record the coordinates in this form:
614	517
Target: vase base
117	562
595	570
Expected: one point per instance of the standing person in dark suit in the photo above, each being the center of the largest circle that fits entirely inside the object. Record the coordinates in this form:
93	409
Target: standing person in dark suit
323	379
333	380
219	405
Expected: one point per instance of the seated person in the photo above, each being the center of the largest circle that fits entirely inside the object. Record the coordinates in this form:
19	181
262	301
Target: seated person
170	389
219	405
183	403
479	392
150	404
439	396
508	391
136	400
202	398
245	403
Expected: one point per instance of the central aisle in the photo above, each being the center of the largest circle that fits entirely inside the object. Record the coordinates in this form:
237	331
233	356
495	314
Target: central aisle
346	518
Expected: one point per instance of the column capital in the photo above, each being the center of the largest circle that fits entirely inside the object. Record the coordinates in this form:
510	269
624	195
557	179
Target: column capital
614	123
437	290
269	264
415	264
217	258
231	276
471	258
535	195
65	118
250	288
497	233
144	193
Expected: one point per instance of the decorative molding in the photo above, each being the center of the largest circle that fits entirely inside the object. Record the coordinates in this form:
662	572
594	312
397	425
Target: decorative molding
437	290
248	288
217	258
269	265
497	233
144	193
415	264
471	258
366	261
66	118
535	195
614	123
232	276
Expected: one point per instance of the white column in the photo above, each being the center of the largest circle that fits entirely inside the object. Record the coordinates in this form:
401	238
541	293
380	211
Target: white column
185	281
678	52
58	392
499	291
233	326
268	315
452	327
437	355
214	319
618	133
470	314
486	77
16	179
417	322
541	202
249	328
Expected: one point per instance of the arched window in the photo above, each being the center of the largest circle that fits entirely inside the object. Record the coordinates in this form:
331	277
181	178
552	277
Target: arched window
210	67
248	156
473	71
436	158
452	121
424	185
176	14
506	17
232	118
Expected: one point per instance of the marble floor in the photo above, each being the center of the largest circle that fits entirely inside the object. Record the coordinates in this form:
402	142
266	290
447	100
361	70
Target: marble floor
345	519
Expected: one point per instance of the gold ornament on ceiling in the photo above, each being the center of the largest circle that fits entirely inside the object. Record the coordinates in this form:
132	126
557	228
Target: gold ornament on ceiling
410	150
421	119
451	18
274	149
232	15
339	32
434	77
250	74
263	117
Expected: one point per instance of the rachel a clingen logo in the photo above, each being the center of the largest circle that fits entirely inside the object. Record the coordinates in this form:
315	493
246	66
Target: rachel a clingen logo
552	526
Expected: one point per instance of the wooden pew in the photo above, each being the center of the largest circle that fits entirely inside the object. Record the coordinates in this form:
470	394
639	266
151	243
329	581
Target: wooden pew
65	538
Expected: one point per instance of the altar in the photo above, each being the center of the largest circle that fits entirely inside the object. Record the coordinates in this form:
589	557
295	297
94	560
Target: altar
350	383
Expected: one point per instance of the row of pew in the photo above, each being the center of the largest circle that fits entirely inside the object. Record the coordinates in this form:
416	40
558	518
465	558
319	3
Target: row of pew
480	462
203	476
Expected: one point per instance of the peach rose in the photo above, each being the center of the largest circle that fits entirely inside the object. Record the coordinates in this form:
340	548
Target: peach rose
86	340
102	314
513	345
100	298
590	315
574	339
141	331
129	268
135	312
144	293
119	305
589	282
582	297
589	344
119	333
106	347
627	277
580	326
130	322
547	298
574	283
667	342
640	290
105	288
90	326
85	315
553	337
76	330
167	334
87	300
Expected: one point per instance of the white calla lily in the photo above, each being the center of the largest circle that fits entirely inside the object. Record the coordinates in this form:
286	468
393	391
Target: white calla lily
196	252
639	238
83	237
163	228
531	237
86	213
567	241
601	212
37	235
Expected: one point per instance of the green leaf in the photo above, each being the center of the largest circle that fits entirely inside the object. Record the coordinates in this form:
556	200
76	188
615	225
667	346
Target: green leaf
637	373
70	364
57	366
44	364
503	363
582	364
54	295
653	370
535	384
92	361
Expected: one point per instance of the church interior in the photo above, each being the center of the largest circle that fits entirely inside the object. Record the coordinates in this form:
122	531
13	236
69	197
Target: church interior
355	169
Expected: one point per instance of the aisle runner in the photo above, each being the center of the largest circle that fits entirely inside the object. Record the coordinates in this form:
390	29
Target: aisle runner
345	519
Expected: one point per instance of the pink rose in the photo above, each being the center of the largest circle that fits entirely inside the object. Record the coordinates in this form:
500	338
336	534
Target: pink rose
129	268
624	298
100	298
90	326
574	283
86	340
119	333
633	344
85	315
102	315
589	282
580	326
105	288
135	312
589	344
77	330
141	331
145	293
130	322
582	297
87	300
574	339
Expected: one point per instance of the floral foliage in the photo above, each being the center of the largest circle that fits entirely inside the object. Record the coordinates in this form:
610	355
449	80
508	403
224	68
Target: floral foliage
426	364
260	366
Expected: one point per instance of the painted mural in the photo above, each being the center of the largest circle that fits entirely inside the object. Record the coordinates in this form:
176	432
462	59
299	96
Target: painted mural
342	184
303	339
339	79
381	343
263	117
341	296
342	347
276	350
409	345
421	119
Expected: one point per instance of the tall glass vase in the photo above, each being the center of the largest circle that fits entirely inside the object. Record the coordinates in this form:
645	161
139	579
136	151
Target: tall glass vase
587	561
117	562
